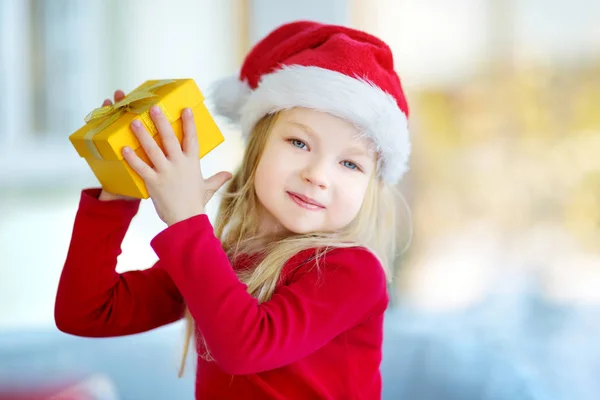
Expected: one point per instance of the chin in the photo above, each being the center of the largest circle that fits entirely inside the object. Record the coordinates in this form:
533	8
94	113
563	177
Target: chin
299	226
299	229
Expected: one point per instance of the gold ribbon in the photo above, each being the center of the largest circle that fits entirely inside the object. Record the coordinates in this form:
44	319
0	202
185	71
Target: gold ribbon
139	101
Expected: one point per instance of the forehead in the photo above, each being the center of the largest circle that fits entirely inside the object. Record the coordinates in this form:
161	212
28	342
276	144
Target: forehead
325	128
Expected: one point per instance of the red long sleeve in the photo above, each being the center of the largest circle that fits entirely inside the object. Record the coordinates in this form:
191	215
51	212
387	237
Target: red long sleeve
245	337
92	298
319	336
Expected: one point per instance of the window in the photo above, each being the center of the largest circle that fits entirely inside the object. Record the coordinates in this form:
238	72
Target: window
53	52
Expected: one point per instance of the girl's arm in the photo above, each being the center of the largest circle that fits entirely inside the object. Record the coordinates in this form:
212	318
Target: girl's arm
93	299
246	337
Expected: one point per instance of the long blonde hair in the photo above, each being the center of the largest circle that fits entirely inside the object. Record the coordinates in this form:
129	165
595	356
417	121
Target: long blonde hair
237	225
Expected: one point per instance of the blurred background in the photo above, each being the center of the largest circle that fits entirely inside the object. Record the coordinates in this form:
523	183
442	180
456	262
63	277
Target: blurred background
498	295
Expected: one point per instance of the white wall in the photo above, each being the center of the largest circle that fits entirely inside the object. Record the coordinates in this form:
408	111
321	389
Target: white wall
267	14
438	42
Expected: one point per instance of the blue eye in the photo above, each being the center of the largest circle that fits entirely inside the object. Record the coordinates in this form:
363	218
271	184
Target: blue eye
349	164
298	143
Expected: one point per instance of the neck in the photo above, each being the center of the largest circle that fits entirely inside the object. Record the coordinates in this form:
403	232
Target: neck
269	227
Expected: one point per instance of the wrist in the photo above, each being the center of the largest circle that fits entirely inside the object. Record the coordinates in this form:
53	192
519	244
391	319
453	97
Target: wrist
107	196
91	204
183	217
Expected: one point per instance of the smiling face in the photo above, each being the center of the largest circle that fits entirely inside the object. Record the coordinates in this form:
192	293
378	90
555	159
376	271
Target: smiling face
313	173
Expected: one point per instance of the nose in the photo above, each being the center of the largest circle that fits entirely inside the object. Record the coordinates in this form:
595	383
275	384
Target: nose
316	174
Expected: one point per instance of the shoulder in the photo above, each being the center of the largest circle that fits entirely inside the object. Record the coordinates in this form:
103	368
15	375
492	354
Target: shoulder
353	256
351	268
357	261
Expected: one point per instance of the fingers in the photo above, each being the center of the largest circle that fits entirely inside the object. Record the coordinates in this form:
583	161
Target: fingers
151	148
137	164
119	95
190	138
165	130
214	183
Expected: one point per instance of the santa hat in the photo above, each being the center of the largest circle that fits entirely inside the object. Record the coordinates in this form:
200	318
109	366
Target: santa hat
329	68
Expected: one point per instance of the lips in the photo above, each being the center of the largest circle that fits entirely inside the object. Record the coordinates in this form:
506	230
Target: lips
305	201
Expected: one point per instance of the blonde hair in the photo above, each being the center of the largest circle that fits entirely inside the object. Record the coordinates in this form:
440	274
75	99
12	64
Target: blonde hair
237	226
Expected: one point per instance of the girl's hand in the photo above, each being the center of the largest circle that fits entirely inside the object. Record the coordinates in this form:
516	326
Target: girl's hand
174	181
104	195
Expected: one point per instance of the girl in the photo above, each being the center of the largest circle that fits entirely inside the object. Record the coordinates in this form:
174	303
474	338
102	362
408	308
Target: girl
286	294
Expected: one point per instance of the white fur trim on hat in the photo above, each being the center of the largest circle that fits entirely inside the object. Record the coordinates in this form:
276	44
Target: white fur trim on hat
374	112
228	95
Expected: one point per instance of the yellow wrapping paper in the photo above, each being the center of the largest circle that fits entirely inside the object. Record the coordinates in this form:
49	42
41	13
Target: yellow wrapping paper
107	130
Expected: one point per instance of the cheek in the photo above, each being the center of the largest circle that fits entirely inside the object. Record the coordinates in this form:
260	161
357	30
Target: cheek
349	199
276	165
261	181
270	173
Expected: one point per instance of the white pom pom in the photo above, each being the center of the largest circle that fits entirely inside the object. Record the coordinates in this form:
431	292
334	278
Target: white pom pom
228	96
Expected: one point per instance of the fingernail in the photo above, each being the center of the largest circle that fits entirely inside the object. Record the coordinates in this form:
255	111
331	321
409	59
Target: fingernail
136	123
154	110
187	112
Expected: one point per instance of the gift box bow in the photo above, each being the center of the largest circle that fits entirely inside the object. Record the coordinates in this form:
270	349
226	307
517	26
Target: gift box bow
139	102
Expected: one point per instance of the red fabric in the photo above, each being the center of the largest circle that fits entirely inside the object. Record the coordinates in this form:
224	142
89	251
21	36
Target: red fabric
319	336
348	51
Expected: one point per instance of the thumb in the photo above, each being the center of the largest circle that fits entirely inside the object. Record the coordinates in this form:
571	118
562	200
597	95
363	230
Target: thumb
215	182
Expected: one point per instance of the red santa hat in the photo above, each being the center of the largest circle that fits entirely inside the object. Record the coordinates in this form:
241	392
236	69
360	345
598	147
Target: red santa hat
329	68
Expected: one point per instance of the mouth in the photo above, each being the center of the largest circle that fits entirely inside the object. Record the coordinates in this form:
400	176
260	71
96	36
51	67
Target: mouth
305	202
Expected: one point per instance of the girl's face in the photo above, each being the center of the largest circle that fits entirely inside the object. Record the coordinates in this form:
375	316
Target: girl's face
313	173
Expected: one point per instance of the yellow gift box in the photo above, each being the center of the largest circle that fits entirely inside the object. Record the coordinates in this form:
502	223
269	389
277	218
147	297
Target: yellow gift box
107	130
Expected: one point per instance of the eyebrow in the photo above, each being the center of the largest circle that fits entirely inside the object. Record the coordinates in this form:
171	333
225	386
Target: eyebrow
355	151
300	125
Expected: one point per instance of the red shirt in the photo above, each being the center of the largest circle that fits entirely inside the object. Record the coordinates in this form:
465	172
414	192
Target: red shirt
319	337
